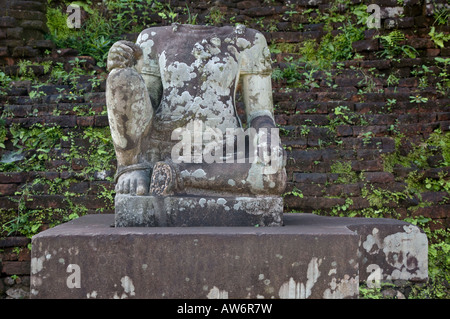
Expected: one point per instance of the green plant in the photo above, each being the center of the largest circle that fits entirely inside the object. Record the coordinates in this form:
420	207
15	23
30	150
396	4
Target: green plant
40	145
34	144
57	23
393	45
392	80
344	209
332	48
441	184
374	292
441	14
94	37
367	137
418	99
346	174
294	192
438	37
168	14
192	19
304	130
443	84
390	103
342	115
36	93
5	80
437	143
215	16
293	76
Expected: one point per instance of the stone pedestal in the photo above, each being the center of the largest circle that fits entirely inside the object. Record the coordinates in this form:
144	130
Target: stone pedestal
174	211
309	257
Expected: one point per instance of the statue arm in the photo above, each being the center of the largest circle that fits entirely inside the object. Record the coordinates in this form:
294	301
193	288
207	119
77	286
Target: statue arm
152	81
257	95
126	54
154	88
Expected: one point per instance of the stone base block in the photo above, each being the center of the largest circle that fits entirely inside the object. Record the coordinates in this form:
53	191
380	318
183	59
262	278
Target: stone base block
174	211
310	257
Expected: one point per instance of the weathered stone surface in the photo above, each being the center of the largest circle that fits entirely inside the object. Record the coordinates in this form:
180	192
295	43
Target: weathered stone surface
192	90
310	257
198	211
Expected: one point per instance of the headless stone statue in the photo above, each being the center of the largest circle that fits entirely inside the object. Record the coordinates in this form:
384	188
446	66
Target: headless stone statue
177	136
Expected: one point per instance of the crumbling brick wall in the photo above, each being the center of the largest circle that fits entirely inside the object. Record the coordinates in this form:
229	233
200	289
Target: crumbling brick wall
22	30
359	142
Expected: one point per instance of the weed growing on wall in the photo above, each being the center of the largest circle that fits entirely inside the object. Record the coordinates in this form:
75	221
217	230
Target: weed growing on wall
38	147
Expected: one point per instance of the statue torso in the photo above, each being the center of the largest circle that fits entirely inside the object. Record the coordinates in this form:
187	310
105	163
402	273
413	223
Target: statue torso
199	67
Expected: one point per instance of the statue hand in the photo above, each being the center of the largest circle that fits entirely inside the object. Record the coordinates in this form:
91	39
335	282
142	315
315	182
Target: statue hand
269	146
123	54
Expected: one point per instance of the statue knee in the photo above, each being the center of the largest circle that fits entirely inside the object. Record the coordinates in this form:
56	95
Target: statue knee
126	87
123	54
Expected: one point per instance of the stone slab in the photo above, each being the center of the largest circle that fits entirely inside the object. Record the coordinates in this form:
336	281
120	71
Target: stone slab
309	257
177	211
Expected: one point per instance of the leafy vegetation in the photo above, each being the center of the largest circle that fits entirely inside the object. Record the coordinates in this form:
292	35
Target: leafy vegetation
307	65
394	46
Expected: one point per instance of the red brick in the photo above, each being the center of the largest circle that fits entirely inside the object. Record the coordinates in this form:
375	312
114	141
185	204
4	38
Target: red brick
309	190
16	267
7	189
316	178
434	197
97	97
379	177
421	43
89	201
433	52
46	201
437	211
343	189
101	120
7	203
367	165
359	203
14	241
247	4
365	45
344	130
320	203
13	177
445	126
85	121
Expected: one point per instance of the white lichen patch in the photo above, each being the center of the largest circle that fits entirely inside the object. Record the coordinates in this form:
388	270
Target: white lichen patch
373	243
92	294
216	293
221	201
346	287
298	290
37	263
127	285
405	251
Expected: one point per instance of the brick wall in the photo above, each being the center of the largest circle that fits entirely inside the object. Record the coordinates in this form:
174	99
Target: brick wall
359	142
22	30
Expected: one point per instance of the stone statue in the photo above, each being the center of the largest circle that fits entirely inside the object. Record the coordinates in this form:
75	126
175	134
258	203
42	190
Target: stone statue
176	132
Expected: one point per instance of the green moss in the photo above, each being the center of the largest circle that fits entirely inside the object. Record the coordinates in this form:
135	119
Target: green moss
41	144
438	143
57	23
332	48
346	174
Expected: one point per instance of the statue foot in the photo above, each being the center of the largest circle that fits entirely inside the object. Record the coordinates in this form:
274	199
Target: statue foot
163	179
133	183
